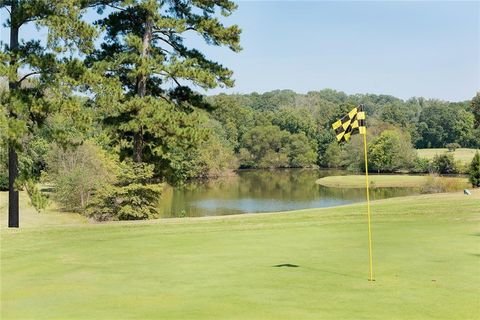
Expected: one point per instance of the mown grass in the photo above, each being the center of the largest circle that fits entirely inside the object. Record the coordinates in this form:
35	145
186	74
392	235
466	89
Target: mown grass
464	155
396	181
380	181
426	265
31	218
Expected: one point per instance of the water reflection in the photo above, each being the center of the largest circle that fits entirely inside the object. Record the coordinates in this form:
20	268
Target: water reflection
251	191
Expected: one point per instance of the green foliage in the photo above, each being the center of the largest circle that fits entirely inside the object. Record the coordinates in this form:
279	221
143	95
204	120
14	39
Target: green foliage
76	173
475	108
442	123
132	197
452	146
444	164
474	172
390	151
333	156
155	118
215	156
3	168
271	147
421	165
38	200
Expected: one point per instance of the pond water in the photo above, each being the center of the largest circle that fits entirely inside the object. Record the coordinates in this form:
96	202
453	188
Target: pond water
250	191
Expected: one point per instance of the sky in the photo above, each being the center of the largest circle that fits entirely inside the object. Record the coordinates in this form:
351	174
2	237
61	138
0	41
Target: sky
405	49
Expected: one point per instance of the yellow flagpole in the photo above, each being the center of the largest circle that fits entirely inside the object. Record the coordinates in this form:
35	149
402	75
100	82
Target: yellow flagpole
368	206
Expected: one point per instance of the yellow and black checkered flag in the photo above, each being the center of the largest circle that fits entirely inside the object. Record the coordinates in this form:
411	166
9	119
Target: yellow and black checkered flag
350	124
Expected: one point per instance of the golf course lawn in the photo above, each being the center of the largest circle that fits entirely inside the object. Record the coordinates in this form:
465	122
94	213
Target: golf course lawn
464	155
426	265
384	180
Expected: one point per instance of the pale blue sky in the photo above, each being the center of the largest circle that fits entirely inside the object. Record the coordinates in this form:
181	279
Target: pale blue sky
406	49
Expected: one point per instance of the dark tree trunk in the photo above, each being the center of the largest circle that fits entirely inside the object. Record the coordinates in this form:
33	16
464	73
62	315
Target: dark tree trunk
142	88
13	214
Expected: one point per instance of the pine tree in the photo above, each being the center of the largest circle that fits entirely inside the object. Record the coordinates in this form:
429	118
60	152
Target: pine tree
38	73
474	172
157	119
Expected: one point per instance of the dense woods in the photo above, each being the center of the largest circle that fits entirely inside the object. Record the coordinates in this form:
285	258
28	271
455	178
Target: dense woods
286	129
105	112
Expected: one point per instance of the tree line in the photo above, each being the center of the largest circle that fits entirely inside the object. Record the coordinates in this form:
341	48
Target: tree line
286	129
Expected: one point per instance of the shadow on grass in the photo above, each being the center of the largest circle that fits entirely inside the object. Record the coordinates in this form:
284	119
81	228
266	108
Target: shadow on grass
288	265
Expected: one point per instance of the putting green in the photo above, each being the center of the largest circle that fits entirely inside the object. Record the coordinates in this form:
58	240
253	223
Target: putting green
426	264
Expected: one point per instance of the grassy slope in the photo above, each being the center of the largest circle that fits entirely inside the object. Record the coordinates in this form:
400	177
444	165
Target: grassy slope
30	218
426	255
465	155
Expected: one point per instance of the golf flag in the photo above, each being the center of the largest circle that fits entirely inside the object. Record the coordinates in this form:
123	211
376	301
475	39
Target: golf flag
354	123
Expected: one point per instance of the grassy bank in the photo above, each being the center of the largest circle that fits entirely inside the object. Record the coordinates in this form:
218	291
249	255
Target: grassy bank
464	155
426	259
393	181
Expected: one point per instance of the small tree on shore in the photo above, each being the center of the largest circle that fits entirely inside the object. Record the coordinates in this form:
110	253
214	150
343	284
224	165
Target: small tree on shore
452	146
474	173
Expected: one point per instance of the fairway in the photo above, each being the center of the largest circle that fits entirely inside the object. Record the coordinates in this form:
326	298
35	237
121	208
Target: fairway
464	155
309	264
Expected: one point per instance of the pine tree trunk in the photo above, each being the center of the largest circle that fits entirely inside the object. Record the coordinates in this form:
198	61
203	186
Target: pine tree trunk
142	88
13	214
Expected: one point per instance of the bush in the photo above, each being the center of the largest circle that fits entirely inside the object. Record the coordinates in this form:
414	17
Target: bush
452	146
444	164
421	165
77	173
131	197
474	172
38	200
3	168
436	184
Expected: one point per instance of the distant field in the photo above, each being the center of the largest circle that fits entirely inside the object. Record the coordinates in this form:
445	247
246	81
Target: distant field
306	264
465	155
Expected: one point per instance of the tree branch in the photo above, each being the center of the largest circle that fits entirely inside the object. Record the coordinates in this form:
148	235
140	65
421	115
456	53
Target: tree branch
27	75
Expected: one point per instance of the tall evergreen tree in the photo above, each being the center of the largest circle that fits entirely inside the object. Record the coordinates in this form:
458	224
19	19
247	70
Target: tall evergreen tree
156	119
37	73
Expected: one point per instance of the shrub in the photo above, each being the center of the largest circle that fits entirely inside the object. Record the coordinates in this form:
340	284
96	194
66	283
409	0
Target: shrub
77	173
452	146
131	197
436	184
38	200
474	172
3	169
444	164
421	165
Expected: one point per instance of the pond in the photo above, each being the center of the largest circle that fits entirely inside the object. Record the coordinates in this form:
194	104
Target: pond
251	191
